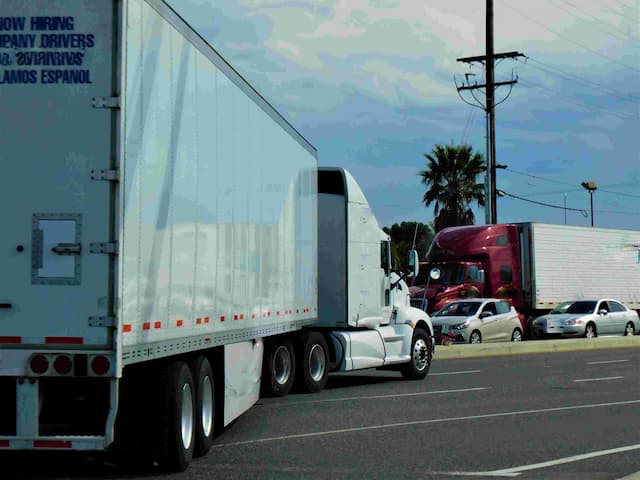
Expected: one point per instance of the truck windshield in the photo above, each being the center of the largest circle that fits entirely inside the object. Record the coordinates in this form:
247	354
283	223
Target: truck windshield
582	307
450	274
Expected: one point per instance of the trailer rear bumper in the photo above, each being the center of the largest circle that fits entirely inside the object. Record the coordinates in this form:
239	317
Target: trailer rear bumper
61	443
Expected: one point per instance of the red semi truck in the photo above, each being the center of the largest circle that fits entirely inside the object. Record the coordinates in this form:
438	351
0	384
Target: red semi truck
535	265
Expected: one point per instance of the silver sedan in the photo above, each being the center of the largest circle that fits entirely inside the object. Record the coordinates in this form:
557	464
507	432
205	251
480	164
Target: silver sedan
589	318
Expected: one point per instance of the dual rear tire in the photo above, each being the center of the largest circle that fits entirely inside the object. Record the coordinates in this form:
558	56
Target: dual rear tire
190	412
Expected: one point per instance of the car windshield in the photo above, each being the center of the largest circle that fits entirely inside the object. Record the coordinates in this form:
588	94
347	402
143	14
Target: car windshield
560	308
582	307
458	309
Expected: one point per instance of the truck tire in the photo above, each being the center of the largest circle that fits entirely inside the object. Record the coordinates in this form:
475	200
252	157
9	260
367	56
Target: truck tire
313	361
205	405
279	368
179	418
421	351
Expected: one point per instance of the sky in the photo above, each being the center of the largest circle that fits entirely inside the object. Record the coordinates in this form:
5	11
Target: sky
372	85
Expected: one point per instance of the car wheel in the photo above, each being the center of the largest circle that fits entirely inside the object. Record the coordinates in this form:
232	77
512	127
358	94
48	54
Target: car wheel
475	337
516	335
590	331
629	330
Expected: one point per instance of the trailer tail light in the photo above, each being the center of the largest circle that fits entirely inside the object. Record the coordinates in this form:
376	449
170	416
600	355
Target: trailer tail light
39	364
100	365
62	365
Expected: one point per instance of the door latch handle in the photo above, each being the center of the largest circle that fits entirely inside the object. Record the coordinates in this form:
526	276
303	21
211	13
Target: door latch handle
67	249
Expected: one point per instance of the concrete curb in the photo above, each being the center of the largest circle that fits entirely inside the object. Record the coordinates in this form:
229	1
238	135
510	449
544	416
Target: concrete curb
450	352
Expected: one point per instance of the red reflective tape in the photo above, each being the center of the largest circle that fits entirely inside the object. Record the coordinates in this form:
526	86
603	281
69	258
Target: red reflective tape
222	318
253	315
198	321
146	326
64	340
277	313
179	323
157	325
5	443
206	319
235	317
126	327
52	444
10	339
242	316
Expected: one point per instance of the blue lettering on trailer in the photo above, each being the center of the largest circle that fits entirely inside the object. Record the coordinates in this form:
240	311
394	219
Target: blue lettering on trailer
12	23
65	76
43	49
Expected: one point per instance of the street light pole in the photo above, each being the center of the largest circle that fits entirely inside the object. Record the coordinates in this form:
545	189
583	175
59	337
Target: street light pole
590	187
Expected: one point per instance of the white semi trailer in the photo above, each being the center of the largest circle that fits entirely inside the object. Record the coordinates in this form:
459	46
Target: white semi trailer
169	246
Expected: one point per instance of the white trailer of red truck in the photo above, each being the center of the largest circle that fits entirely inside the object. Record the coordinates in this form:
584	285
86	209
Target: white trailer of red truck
169	247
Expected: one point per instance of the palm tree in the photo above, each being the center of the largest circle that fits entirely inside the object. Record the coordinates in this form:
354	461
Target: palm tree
451	181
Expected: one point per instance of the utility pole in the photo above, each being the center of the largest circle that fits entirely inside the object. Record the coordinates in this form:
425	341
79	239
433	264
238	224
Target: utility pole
490	104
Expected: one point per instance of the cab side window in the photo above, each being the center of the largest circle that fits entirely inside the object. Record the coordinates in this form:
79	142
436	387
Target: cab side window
385	257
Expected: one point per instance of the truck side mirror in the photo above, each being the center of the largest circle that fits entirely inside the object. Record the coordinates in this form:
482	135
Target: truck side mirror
413	263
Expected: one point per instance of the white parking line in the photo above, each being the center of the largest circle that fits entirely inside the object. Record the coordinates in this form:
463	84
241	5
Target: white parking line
515	471
606	361
574	458
597	379
374	397
421	422
462	372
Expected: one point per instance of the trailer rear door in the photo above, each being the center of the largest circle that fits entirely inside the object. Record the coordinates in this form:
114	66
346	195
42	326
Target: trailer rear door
58	151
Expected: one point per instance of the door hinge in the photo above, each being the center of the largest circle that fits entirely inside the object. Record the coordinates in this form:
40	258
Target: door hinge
105	321
110	248
105	102
107	175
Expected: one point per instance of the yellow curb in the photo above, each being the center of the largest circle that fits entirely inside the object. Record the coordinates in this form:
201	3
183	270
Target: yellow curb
453	351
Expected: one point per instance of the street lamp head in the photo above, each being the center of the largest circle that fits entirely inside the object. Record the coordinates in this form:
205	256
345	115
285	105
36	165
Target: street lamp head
591	186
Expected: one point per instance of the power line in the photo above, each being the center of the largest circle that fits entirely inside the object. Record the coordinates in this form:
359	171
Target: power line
616	113
600	54
582	211
596	19
556	71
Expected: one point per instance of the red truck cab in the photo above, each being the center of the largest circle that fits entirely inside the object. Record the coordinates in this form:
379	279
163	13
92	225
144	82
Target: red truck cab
474	261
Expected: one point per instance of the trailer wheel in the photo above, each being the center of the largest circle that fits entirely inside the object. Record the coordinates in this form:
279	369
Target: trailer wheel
278	370
179	417
421	352
205	405
312	371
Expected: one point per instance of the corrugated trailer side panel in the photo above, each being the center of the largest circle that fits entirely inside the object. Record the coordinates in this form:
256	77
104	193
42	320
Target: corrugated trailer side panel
573	262
218	195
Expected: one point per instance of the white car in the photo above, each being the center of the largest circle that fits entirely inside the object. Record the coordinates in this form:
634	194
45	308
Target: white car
589	318
477	320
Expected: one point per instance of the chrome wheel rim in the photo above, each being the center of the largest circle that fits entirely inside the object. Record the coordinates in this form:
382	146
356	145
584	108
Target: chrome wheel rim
281	365
475	337
186	421
207	406
590	333
420	358
516	336
317	363
629	329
